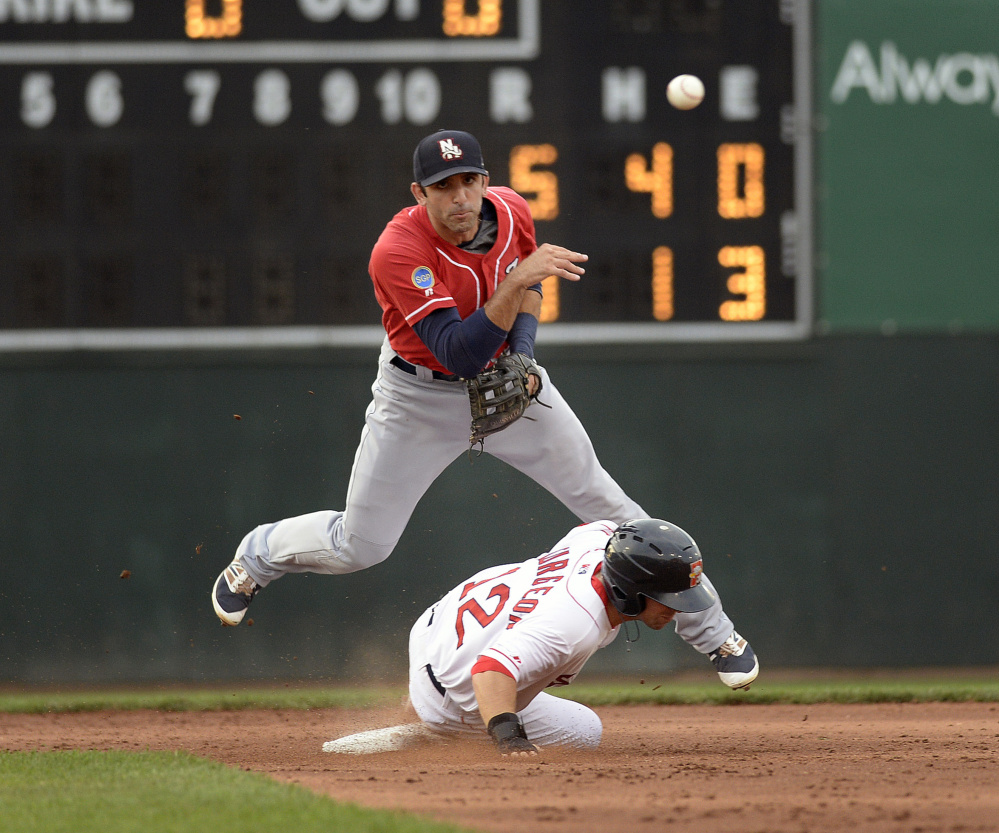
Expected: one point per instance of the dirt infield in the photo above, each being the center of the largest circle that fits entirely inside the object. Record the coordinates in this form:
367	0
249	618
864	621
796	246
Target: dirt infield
909	767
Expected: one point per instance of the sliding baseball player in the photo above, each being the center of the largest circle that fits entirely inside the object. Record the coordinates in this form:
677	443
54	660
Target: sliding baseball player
482	657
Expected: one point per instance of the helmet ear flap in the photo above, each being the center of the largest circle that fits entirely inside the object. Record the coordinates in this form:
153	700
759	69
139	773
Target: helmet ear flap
633	606
626	605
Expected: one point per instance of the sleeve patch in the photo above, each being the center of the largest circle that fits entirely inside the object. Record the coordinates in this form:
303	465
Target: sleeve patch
423	278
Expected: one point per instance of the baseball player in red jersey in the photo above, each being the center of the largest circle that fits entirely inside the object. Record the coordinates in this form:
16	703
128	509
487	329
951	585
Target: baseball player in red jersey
458	277
481	658
451	278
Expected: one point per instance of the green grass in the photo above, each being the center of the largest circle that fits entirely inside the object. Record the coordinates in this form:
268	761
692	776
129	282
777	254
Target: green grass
197	699
166	792
980	685
790	692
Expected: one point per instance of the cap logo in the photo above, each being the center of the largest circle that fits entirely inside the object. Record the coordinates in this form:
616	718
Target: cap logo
695	573
449	150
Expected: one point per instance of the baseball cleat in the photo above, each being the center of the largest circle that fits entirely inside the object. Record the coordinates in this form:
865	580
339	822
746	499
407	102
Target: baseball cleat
391	739
735	662
232	593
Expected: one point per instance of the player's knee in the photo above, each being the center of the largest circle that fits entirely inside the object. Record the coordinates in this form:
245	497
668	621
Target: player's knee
575	726
358	554
588	731
584	734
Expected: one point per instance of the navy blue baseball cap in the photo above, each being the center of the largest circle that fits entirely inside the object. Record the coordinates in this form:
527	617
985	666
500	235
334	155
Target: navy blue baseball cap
444	153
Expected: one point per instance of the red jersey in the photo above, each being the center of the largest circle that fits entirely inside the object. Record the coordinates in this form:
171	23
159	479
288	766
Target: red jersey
415	271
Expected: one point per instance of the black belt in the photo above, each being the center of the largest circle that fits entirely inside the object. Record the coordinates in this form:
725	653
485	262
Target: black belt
435	681
402	364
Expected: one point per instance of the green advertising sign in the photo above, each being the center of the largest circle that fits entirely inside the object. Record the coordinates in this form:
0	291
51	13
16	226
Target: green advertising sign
908	147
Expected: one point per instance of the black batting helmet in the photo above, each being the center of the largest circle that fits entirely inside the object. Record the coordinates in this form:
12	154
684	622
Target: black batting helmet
652	559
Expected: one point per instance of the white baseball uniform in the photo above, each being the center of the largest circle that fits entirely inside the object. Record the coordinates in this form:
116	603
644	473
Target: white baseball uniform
538	622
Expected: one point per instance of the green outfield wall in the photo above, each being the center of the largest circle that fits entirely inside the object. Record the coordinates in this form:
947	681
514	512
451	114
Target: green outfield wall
843	492
907	100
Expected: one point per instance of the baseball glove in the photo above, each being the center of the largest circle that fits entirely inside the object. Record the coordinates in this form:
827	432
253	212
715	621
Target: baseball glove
498	396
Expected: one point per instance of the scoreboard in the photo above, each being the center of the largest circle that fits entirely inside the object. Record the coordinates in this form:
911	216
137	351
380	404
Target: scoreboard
186	167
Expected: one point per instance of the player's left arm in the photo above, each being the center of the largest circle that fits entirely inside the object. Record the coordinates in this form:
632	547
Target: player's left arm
524	331
467	346
525	326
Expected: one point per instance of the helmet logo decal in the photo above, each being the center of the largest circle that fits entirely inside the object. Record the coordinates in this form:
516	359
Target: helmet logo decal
695	573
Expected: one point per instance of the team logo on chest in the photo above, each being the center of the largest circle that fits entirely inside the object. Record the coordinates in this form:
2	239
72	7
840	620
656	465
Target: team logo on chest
512	266
423	279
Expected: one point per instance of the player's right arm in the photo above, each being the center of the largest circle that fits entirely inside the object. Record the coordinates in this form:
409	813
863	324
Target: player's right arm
467	346
547	259
496	695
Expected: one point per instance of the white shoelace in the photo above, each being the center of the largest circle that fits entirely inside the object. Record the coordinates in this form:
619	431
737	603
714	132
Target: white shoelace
239	580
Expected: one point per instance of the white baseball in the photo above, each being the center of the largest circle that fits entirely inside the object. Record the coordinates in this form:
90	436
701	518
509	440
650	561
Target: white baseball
685	92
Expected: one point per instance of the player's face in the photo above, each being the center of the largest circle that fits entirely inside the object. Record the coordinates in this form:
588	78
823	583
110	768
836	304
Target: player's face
656	615
453	205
